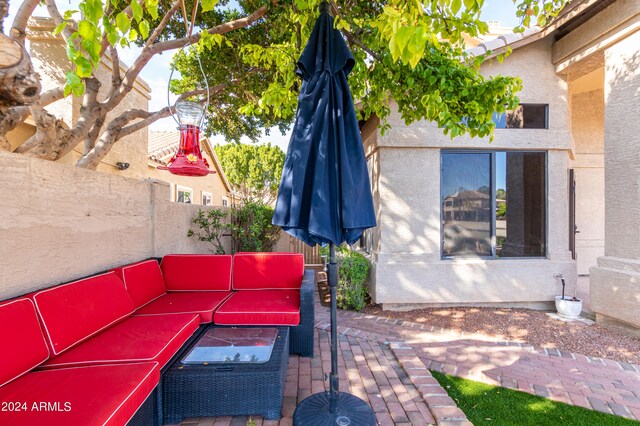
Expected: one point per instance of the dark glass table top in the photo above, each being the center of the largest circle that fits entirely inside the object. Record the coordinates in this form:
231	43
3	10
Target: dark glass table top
233	345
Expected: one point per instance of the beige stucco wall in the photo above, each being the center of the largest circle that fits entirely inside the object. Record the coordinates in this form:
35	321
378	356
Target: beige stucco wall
587	126
408	268
58	223
615	282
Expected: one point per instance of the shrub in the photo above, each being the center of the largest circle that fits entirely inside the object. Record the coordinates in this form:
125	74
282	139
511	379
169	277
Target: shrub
251	228
211	225
353	269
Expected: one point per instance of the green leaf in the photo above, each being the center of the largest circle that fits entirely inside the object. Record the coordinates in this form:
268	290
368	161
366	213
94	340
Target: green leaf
69	13
208	5
144	29
455	6
112	36
87	30
123	22
58	29
93	48
83	67
133	34
137	10
153	10
71	50
92	10
72	81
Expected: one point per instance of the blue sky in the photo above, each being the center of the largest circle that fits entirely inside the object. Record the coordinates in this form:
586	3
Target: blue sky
156	73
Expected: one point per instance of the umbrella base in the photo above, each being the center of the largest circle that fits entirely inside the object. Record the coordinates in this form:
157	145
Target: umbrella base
352	411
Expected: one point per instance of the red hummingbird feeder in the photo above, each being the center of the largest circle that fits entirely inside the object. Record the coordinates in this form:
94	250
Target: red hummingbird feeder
188	160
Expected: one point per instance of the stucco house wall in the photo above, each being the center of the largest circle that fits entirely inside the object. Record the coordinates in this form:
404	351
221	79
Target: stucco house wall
408	268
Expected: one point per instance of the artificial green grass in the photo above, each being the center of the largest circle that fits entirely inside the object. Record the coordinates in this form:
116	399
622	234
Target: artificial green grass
492	405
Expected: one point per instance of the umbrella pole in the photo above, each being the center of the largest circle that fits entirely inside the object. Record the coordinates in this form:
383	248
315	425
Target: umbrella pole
334	381
333	408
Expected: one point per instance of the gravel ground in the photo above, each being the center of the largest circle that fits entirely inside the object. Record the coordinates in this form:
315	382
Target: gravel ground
533	327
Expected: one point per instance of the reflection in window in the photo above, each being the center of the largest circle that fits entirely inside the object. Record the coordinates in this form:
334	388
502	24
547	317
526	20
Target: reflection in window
520	204
516	193
525	116
183	195
466	204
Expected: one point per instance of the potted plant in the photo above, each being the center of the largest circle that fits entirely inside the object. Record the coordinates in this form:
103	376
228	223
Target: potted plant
567	307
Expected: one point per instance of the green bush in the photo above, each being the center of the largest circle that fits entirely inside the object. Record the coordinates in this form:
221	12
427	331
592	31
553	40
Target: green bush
211	226
353	268
249	225
251	228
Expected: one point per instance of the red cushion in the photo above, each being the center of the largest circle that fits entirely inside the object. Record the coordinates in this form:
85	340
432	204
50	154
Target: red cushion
267	271
202	303
260	307
90	396
143	281
22	340
144	338
75	311
197	272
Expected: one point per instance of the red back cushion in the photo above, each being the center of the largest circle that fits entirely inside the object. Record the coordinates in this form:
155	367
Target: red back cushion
267	271
197	272
143	280
22	340
76	311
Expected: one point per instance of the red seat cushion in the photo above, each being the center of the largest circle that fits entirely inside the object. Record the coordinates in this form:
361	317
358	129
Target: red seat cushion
90	396
260	307
75	311
138	338
22	340
202	303
197	272
267	271
143	280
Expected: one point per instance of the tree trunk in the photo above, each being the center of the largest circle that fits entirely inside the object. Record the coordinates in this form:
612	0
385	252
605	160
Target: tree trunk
19	84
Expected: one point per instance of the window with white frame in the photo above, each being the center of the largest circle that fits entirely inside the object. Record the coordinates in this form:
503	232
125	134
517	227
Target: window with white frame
184	194
225	201
493	203
207	198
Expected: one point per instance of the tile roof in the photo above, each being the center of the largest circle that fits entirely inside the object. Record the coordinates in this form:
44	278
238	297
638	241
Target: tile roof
162	145
502	42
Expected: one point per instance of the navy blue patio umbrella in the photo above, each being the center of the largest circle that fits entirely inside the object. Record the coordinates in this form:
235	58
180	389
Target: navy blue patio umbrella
325	195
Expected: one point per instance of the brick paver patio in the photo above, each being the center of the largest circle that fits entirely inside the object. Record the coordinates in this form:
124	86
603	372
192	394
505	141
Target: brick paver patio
386	362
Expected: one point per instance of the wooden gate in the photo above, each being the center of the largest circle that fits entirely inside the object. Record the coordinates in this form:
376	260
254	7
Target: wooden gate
311	254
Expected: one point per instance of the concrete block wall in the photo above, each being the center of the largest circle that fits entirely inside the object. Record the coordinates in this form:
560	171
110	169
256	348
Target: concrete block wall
59	223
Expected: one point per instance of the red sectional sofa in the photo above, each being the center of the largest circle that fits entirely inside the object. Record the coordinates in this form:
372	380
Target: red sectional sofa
92	350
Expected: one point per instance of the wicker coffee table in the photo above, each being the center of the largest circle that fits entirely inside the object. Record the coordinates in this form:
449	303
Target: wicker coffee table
228	371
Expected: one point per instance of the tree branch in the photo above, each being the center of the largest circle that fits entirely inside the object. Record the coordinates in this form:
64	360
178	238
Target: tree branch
116	78
18	29
4	12
92	136
52	8
148	119
165	20
149	51
352	37
51	96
